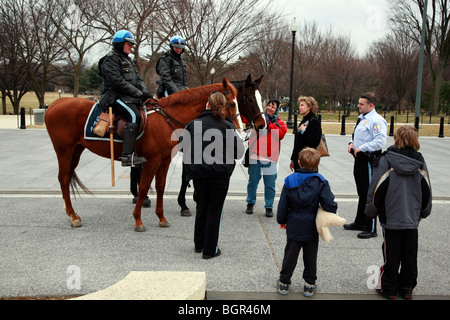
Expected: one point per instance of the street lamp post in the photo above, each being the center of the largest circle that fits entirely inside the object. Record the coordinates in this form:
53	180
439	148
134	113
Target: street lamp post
213	72
420	72
294	29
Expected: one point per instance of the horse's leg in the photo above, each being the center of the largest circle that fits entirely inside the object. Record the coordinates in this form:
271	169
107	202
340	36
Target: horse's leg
161	176
148	172
68	161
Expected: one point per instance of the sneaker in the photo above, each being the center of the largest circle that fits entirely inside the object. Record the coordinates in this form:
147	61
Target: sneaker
385	295
249	209
269	212
309	290
282	288
406	293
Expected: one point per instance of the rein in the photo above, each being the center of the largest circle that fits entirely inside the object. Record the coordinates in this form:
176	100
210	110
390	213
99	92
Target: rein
156	108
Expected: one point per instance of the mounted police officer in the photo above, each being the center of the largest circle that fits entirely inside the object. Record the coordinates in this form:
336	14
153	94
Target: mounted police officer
124	90
172	69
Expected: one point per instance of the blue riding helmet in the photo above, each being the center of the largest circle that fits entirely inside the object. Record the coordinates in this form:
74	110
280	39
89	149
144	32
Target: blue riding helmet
177	42
123	36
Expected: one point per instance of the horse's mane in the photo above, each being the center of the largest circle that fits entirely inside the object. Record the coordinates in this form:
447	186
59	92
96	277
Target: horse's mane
192	95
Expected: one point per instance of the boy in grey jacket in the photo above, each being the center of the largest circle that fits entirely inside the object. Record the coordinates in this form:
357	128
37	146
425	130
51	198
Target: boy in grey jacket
400	194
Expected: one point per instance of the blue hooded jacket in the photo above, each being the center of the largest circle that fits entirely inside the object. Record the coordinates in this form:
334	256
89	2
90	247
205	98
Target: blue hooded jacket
302	193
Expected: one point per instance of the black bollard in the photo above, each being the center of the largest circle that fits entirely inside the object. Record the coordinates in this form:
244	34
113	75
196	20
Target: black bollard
416	123
22	118
343	125
391	131
441	129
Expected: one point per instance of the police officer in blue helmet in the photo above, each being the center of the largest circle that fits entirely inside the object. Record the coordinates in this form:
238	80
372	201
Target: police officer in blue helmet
172	69
124	90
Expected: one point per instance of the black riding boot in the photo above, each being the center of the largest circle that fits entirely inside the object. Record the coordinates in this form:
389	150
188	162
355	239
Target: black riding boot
129	158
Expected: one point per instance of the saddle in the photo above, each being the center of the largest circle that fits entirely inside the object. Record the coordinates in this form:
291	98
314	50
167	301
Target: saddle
104	126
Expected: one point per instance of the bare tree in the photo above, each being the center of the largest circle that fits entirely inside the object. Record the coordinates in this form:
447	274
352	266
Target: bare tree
143	18
217	32
337	57
75	20
13	72
40	44
407	17
396	58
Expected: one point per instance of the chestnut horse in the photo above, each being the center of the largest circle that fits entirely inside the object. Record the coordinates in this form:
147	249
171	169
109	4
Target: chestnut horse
250	107
65	120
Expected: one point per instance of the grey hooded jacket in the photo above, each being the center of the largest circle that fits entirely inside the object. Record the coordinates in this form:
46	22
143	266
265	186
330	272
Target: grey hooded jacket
400	191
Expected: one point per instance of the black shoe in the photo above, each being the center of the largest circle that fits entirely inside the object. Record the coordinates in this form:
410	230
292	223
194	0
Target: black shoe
354	226
218	253
147	202
249	209
132	160
367	235
269	212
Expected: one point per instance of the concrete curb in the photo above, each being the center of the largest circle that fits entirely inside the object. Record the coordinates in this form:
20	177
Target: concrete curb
154	286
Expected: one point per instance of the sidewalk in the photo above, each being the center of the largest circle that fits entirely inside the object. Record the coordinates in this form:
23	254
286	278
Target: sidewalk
38	244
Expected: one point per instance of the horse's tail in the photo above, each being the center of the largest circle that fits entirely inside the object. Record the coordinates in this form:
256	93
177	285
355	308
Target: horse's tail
75	182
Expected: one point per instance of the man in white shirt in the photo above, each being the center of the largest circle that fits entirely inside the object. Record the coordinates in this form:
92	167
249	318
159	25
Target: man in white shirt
368	140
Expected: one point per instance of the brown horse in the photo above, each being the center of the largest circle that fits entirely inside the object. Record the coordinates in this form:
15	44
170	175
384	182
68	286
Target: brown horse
65	120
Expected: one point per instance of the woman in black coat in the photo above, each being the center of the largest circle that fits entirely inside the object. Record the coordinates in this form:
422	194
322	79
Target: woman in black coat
309	132
210	169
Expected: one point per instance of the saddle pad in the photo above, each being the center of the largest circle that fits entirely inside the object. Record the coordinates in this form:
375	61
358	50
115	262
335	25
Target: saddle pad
92	121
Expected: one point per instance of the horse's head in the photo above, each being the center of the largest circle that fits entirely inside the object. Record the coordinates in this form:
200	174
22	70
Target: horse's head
230	93
250	102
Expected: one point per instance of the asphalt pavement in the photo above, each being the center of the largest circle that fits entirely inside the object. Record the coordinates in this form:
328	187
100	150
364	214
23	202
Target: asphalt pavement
42	255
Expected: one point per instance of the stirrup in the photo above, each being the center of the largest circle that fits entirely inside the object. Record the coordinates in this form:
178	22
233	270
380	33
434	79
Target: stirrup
132	160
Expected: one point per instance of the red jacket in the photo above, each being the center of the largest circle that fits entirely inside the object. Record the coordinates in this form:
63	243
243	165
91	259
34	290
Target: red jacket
268	145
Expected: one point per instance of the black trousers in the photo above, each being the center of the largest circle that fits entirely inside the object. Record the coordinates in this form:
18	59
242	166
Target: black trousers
399	252
135	179
210	198
362	172
291	253
129	112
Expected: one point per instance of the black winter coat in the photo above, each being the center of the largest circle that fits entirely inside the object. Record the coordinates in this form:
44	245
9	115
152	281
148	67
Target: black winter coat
210	155
120	79
310	138
172	70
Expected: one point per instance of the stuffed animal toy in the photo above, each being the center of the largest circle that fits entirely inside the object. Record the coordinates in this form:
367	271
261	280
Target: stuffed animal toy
326	219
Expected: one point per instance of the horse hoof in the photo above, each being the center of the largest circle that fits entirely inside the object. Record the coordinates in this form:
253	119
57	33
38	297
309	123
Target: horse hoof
140	228
186	213
164	224
75	224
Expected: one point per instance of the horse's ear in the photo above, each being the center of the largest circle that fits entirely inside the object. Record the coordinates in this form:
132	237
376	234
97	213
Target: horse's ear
226	82
249	81
258	81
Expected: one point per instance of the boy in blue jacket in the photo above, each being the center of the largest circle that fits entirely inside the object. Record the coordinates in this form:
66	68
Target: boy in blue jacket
302	193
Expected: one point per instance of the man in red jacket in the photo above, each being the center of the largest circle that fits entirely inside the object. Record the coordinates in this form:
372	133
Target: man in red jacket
264	153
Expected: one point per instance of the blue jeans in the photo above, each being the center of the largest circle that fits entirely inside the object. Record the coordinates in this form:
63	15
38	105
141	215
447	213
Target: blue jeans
268	170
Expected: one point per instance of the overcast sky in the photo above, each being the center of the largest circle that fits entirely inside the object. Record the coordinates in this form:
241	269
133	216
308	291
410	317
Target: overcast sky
363	20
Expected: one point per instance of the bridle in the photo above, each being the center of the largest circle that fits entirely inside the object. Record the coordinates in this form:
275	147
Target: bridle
225	93
154	107
244	100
